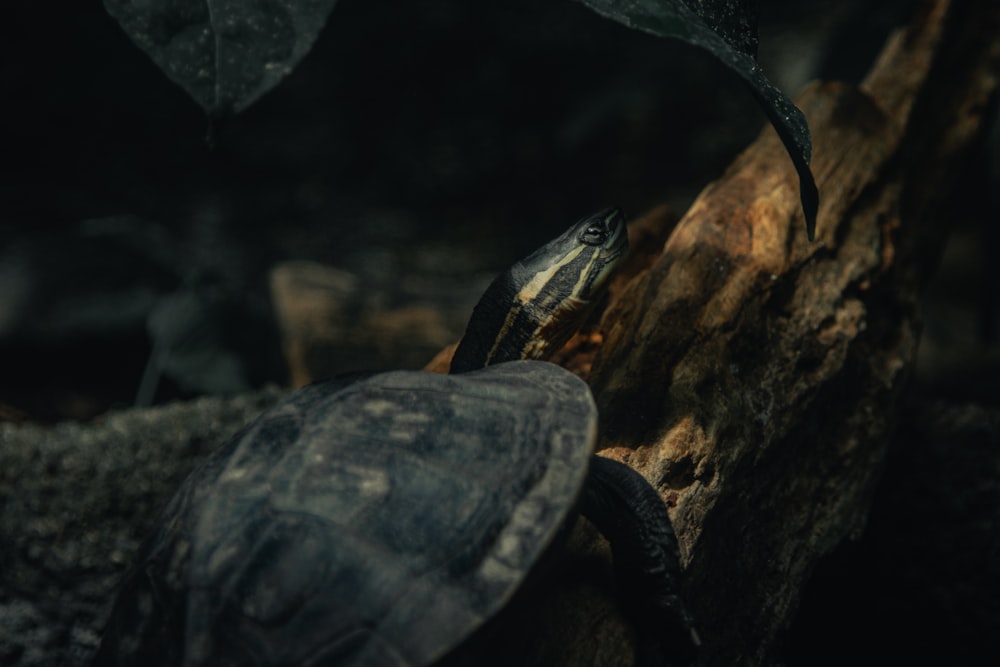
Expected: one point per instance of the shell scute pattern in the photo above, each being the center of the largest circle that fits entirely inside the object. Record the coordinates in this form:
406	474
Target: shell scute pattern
321	531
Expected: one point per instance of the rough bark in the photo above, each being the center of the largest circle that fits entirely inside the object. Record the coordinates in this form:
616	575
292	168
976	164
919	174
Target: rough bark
754	377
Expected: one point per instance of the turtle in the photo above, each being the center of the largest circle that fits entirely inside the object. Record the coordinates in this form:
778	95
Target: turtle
386	520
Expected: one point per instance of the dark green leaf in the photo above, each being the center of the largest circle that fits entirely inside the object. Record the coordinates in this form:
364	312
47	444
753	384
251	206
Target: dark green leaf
224	53
728	30
734	20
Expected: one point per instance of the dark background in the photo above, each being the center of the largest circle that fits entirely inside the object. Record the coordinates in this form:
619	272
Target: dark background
420	147
416	142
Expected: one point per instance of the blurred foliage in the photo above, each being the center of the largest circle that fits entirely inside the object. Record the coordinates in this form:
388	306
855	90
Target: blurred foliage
226	54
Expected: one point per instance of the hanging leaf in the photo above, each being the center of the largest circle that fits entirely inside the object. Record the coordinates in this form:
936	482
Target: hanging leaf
728	30
224	53
734	20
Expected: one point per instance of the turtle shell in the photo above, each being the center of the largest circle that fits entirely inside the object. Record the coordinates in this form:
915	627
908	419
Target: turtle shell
379	523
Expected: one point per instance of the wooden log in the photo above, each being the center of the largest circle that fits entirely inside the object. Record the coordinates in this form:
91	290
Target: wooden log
752	376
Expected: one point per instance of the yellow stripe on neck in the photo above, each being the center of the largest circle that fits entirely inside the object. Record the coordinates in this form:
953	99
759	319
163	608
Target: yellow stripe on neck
538	281
530	293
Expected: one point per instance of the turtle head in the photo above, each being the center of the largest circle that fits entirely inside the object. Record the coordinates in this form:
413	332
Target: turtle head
576	265
534	307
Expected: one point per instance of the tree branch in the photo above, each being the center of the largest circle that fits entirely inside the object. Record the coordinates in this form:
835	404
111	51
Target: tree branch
753	377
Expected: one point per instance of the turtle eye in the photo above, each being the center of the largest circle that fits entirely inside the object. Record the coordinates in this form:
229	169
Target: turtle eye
594	235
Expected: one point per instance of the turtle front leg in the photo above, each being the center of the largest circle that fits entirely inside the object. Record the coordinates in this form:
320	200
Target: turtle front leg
630	514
